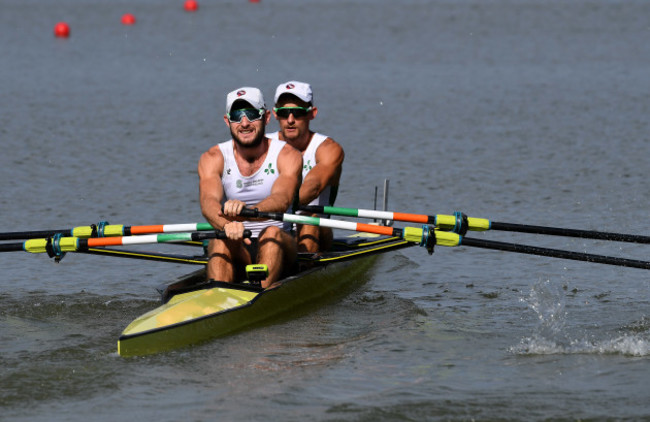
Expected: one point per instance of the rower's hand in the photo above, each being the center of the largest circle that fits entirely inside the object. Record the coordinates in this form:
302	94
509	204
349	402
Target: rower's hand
235	231
233	207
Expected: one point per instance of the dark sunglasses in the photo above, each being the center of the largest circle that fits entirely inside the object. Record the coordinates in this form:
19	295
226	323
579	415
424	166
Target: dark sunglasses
252	114
284	112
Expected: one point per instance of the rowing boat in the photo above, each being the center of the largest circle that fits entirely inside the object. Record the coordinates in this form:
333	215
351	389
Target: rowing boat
194	310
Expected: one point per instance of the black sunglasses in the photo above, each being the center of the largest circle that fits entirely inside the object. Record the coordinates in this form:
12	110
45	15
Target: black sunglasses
284	112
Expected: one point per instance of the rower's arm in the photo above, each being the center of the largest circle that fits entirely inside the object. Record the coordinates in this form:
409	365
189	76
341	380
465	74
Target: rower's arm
211	192
327	171
287	184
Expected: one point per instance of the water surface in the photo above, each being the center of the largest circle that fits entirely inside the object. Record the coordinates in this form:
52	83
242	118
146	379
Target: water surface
518	111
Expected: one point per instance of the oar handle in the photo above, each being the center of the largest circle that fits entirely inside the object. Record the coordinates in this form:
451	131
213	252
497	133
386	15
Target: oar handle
249	213
255	213
218	234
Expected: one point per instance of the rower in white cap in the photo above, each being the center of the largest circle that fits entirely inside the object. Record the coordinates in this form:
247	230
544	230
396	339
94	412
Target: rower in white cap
250	170
322	157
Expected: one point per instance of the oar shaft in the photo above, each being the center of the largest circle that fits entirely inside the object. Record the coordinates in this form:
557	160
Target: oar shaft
442	221
169	228
451	222
378	215
108	230
80	232
558	231
11	247
427	237
75	244
35	234
424	236
555	253
149	256
152	238
317	221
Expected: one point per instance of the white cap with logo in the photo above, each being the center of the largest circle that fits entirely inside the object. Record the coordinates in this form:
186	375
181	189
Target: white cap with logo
299	89
251	95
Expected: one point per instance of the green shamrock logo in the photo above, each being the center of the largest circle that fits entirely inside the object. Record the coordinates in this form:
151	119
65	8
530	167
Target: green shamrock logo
307	166
269	170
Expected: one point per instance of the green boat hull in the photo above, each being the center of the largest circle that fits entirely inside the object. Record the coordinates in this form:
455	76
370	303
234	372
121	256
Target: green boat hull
195	311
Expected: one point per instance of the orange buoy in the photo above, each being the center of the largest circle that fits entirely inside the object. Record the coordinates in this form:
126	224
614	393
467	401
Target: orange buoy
128	19
61	30
191	5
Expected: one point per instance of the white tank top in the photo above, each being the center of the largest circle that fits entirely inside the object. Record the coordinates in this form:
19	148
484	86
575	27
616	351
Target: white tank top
327	196
251	189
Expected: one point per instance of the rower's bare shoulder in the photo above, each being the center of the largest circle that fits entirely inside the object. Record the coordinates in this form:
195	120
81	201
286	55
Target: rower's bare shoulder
329	142
213	152
330	151
290	153
211	160
290	158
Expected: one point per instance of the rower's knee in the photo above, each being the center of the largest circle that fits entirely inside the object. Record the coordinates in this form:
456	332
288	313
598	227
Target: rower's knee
270	240
275	242
308	243
270	232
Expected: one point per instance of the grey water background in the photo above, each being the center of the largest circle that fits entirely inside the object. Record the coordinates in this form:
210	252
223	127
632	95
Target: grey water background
529	111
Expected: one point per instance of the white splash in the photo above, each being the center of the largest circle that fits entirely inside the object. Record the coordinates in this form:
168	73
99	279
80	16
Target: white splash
626	345
551	337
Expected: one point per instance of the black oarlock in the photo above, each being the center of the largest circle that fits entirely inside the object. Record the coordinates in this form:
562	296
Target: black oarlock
462	223
428	238
53	247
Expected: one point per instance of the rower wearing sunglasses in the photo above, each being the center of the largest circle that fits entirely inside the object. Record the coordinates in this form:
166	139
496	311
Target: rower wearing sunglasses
322	157
250	170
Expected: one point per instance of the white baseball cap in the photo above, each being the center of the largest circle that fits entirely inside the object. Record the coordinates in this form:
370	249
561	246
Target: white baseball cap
251	95
299	89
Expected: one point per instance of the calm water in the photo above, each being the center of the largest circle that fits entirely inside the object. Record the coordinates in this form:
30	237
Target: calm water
519	111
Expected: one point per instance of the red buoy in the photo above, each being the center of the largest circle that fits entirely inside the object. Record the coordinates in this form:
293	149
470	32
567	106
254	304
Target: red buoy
191	5
253	1
128	19
61	30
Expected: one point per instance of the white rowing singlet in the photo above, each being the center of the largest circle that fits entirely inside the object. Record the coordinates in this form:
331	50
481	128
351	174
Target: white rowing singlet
308	162
251	189
327	196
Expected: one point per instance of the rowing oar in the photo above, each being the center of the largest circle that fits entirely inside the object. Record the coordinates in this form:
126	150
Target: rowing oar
460	223
103	229
57	245
428	237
